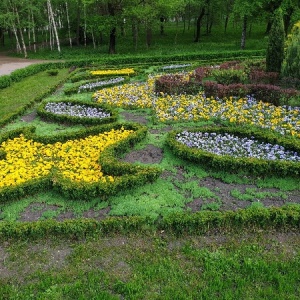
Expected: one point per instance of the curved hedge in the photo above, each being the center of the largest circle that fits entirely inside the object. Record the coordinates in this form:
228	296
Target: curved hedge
226	162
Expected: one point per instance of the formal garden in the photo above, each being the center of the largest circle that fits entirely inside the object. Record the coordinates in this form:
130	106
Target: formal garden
151	177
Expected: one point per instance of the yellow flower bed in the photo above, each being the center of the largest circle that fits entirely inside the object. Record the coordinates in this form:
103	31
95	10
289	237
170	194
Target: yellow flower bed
126	71
139	95
198	107
75	159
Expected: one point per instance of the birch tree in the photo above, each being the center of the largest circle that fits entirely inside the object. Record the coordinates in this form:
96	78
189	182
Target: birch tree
53	24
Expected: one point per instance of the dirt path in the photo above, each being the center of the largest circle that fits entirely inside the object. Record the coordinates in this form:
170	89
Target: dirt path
9	64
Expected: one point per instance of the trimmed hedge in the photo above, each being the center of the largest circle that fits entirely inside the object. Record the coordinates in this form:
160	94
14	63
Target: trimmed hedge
251	219
42	112
251	165
20	74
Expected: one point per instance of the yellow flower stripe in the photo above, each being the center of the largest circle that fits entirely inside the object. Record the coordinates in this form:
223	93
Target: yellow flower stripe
127	71
198	107
76	159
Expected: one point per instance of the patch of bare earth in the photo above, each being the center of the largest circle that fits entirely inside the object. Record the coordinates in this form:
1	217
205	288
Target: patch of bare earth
35	211
149	155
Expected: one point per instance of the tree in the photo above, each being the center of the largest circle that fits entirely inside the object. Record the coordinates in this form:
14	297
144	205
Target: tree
291	63
245	10
275	49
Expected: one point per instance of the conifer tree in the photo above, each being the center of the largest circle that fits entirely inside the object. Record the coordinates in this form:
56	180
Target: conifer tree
291	63
275	49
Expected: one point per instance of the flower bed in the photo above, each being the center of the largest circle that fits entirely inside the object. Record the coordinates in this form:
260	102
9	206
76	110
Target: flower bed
127	71
169	108
228	144
76	112
71	166
135	95
238	149
178	66
94	85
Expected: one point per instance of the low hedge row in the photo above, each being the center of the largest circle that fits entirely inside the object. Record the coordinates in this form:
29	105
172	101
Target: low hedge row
42	112
283	218
263	92
126	175
18	75
229	164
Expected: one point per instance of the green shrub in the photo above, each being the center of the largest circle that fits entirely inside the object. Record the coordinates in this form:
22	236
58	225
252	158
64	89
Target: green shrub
52	72
229	76
5	81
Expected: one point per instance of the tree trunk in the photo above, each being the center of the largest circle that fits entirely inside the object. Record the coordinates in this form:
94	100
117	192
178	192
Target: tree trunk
112	35
198	25
33	32
93	38
54	24
135	34
226	23
78	24
69	27
21	33
2	37
18	46
112	41
162	27
269	25
244	31
84	31
148	35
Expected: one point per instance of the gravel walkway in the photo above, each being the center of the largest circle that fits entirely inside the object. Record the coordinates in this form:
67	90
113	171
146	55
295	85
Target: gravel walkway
9	64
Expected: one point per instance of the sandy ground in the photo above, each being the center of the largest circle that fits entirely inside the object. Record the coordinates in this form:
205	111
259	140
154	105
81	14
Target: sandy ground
9	64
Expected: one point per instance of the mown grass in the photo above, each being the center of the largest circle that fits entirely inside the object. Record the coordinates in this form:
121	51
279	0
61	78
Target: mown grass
21	94
153	266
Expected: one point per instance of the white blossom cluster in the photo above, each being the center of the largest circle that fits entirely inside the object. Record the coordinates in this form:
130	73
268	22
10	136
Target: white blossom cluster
175	66
227	144
94	85
75	110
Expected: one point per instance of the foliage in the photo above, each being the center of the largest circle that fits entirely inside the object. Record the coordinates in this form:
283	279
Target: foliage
176	84
275	49
229	76
291	61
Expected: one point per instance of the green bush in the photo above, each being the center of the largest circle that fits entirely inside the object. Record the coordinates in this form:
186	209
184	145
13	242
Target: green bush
52	72
229	76
5	81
